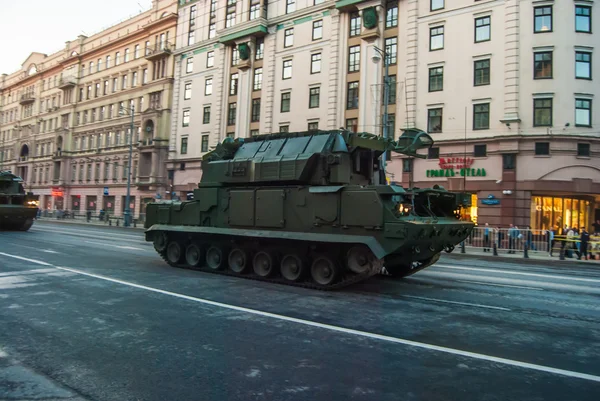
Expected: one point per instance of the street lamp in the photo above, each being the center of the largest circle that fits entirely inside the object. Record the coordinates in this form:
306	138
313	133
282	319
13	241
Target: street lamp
127	213
386	94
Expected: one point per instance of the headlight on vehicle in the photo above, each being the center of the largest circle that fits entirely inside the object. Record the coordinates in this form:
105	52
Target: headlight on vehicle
33	203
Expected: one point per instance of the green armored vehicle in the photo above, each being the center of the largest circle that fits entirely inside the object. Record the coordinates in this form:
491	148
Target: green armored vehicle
17	208
310	209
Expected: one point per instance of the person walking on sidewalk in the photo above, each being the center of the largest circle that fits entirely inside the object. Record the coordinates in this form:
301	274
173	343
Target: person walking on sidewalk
513	235
551	239
486	238
585	239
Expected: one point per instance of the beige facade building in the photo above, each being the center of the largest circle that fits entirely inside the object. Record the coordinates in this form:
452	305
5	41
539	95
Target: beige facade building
66	118
505	88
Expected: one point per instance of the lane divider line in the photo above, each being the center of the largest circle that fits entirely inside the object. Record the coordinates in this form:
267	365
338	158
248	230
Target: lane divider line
501	285
456	302
396	340
553	276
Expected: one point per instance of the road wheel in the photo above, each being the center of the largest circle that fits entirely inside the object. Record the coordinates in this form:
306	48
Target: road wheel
238	260
292	267
214	258
264	264
324	270
193	255
361	260
174	252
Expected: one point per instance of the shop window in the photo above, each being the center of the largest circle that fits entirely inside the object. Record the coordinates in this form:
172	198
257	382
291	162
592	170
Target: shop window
583	149
433	153
480	150
508	161
542	148
557	212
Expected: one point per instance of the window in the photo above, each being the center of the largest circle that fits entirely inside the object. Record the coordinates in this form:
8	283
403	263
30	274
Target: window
230	14
481	116
253	132
354	24
233	84
542	148
313	126
482	29
314	98
352	102
254	9
288	37
184	145
392	89
107	61
436	38
290	6
434	120
287	69
317	30
508	161
260	49
583	149
352	124
583	113
583	19
481	72
187	93
436	79
407	165
235	55
480	150
186	118
391	49
583	65
542	19
257	84
315	63
189	65
542	66
542	112
391	15
210	59
433	153
436	5
208	86
354	59
204	144
126	56
206	115
255	117
136	52
284	128
231	113
124	82
285	101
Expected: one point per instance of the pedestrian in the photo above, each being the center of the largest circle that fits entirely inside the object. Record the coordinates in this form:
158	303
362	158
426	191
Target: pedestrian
585	239
551	238
530	243
513	235
486	238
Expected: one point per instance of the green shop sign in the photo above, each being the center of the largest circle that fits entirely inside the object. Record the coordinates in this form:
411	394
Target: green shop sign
456	166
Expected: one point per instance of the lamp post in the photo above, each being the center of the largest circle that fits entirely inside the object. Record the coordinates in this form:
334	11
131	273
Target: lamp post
127	213
386	94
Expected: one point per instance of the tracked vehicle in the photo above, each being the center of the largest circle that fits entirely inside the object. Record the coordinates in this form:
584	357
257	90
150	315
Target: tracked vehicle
310	209
17	208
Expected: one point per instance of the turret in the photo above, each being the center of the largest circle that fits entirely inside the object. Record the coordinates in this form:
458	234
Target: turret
335	157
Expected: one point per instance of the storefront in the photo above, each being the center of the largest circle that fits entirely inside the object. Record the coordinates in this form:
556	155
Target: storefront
556	212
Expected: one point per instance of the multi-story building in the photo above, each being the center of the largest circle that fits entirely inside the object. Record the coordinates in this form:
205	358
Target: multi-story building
67	119
505	88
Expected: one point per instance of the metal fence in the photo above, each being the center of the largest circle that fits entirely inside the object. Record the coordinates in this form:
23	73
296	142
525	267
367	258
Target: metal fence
90	216
517	240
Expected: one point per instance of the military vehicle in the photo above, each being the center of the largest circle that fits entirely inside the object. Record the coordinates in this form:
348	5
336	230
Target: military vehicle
17	208
309	209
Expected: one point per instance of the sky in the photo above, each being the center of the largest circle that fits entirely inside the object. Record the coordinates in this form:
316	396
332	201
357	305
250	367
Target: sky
45	25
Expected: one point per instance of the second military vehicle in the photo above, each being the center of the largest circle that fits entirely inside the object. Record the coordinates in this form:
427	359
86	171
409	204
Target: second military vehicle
310	209
18	209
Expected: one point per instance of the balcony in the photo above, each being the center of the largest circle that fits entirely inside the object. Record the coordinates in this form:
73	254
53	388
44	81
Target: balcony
253	28
27	98
158	50
67	82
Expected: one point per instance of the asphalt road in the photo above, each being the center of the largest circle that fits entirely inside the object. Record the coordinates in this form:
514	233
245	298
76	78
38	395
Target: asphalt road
91	313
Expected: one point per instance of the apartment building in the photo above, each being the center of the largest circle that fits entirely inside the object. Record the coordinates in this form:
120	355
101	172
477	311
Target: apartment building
504	87
67	119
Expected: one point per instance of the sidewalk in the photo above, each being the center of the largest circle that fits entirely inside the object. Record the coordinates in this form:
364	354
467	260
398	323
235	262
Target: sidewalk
82	222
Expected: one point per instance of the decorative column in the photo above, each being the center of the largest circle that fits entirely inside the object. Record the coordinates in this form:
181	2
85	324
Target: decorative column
511	62
242	126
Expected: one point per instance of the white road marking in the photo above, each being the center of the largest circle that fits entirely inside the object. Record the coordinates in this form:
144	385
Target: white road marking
565	277
23	272
39	262
416	344
48	251
130	247
456	302
3	354
502	285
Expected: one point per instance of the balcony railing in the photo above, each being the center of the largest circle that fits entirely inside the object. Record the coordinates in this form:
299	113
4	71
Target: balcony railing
158	50
67	82
27	98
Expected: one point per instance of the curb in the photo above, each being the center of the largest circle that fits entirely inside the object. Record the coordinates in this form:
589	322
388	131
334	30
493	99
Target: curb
82	223
530	260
